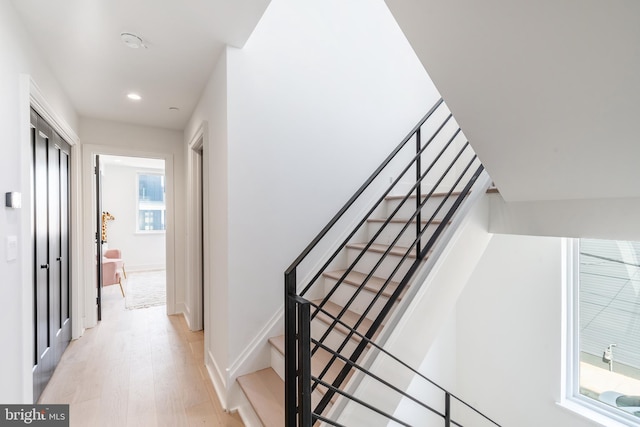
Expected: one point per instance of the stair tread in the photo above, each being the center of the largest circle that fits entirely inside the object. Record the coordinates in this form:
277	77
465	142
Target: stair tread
349	317
413	196
376	247
318	362
355	278
404	221
265	391
278	343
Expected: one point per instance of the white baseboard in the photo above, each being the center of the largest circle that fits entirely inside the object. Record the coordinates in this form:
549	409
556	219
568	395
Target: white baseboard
218	381
133	268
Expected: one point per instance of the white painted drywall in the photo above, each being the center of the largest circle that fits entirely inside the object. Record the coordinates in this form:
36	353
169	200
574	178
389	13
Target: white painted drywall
509	334
106	137
317	98
440	367
212	110
319	95
615	219
140	251
546	91
19	56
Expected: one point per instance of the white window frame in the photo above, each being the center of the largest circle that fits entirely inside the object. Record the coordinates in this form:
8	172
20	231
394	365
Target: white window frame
571	398
137	187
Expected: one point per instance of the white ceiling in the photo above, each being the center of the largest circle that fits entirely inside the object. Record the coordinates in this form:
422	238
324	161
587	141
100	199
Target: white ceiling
546	91
80	39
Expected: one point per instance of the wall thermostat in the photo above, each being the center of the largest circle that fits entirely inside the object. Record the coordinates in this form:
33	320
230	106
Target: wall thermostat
13	200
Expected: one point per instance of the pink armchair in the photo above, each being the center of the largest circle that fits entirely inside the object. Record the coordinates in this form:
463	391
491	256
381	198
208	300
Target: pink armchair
115	255
111	273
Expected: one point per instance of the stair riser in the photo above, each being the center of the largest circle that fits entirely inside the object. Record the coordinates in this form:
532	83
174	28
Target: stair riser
409	207
277	362
369	260
392	230
345	291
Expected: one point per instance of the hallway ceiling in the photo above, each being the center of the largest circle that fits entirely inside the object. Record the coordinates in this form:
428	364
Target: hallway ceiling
81	42
547	92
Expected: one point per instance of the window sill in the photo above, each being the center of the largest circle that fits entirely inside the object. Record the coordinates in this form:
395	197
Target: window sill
595	413
150	232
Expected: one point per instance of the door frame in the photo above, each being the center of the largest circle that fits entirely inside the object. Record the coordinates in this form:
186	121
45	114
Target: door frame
89	152
198	243
32	97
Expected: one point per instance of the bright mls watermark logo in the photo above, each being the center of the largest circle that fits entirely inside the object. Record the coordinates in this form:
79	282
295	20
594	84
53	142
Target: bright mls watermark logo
34	415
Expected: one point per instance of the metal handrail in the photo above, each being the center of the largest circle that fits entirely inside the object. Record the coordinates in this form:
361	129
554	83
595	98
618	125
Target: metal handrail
300	347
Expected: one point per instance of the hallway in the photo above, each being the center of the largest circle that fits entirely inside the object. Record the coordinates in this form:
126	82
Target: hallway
137	368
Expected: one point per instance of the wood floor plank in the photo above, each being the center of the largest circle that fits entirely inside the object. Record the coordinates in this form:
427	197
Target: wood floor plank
137	368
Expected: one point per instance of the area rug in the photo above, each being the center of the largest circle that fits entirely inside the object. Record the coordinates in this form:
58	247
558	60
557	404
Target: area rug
145	289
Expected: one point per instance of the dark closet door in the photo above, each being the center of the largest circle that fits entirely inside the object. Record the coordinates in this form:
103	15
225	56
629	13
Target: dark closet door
64	337
58	245
44	357
51	308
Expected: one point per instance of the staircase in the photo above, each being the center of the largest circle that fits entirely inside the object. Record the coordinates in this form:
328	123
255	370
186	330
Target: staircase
353	295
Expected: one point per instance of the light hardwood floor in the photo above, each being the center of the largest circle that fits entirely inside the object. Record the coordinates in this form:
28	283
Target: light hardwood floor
137	368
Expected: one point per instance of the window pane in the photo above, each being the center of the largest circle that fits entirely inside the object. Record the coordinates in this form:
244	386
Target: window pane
151	202
149	220
609	324
151	188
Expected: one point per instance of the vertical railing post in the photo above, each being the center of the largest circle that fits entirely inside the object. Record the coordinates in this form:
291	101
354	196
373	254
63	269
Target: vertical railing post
418	192
447	410
290	353
304	359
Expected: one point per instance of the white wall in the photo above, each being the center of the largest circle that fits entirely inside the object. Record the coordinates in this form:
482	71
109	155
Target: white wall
106	137
319	95
18	56
140	251
509	334
614	219
551	113
212	111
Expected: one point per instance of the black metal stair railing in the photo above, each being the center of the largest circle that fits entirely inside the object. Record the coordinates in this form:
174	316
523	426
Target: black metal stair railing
442	186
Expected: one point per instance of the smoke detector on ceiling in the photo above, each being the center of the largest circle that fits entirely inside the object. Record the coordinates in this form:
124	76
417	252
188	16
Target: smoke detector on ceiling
133	41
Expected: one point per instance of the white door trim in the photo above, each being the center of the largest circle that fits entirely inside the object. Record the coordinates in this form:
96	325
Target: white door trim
89	152
197	231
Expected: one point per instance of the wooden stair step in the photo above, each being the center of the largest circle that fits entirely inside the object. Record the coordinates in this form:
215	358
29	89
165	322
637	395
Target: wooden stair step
413	196
355	278
404	221
378	248
349	317
318	361
265	391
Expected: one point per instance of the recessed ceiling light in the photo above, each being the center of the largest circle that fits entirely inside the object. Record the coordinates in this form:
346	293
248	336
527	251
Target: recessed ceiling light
133	41
134	96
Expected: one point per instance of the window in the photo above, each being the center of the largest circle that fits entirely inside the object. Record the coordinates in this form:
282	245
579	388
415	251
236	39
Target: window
151	202
606	327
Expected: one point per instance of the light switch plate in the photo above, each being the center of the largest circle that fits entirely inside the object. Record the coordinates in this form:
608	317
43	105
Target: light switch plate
12	248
